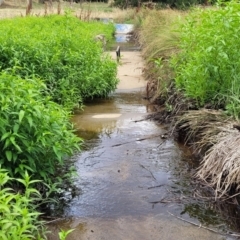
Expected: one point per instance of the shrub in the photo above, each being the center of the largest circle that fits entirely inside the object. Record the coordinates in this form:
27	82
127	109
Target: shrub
208	69
19	217
61	51
36	134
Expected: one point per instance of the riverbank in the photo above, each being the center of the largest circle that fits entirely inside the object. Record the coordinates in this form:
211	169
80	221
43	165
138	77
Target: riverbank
209	125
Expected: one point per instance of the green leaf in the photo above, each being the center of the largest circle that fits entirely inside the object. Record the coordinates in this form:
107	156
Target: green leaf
21	115
22	181
6	226
12	140
3	236
30	121
209	49
58	154
15	128
5	135
4	208
9	155
43	174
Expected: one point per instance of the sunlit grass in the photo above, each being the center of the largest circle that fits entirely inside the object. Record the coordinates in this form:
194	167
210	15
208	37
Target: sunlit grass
159	42
157	33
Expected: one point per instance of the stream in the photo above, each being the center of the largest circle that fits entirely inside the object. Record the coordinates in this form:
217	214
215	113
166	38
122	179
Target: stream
134	180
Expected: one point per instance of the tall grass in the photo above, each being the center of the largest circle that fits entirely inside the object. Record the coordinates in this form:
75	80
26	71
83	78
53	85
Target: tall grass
207	70
200	51
159	43
157	33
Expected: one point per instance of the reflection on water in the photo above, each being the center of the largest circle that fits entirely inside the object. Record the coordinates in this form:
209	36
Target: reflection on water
121	175
123	28
124	104
120	38
123	162
124	38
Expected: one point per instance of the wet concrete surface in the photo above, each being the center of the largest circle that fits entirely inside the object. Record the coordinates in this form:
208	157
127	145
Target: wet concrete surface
132	177
127	228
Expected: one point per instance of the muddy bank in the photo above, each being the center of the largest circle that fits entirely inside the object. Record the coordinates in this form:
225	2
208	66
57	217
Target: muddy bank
212	132
212	136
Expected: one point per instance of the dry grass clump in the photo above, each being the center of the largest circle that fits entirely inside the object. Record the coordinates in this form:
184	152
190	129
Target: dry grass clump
221	165
123	16
217	135
201	127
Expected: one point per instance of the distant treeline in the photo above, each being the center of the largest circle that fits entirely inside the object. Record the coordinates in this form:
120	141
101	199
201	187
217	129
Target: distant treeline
179	4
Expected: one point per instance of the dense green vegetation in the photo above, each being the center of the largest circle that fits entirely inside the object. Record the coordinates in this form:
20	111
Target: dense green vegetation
207	68
48	66
19	218
62	51
36	134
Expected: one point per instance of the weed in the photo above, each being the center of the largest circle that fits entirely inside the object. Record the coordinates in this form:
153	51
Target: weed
63	234
19	217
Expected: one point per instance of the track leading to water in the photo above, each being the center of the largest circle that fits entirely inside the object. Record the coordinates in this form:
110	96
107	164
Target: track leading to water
130	177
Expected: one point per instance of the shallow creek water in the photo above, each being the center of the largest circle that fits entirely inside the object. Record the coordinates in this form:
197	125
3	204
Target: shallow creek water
132	177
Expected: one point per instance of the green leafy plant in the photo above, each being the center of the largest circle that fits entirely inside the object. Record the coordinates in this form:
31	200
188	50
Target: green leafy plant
19	217
63	52
207	68
36	134
63	234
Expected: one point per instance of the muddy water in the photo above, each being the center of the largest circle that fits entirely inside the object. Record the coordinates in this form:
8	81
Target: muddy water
132	177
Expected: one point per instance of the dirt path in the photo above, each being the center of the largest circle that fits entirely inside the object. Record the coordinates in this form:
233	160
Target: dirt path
130	71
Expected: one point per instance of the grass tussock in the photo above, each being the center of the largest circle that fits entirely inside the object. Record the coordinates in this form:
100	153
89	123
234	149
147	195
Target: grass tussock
221	165
157	36
213	133
201	128
159	42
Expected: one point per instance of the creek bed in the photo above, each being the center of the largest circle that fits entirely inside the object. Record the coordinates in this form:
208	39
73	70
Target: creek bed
134	180
131	177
